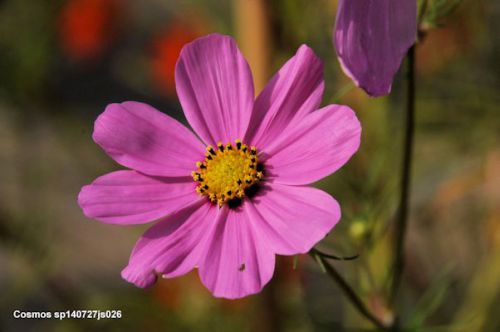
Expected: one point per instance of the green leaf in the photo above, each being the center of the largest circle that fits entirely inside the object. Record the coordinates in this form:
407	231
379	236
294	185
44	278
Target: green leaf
431	300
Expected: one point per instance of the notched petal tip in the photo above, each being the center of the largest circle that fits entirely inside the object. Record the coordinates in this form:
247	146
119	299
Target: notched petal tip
112	109
142	279
212	37
352	122
306	51
83	199
234	296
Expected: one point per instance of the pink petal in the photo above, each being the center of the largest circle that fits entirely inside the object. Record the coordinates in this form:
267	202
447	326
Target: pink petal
142	138
215	88
173	246
372	37
292	219
238	262
128	197
292	93
317	147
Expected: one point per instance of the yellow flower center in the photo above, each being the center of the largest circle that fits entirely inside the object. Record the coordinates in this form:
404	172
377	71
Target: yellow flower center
227	172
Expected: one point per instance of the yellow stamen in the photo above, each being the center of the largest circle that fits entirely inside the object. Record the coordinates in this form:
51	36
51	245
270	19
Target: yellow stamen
227	171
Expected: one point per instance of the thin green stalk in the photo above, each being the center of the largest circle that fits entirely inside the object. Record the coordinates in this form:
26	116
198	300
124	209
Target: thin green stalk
338	258
402	214
348	291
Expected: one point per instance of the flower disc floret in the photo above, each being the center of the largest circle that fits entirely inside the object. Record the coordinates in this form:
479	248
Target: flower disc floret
227	171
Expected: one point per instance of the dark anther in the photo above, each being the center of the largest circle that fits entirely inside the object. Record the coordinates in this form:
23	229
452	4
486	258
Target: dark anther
221	147
229	192
252	166
260	167
209	157
234	203
248	181
238	145
253	160
205	186
212	151
239	181
252	191
244	149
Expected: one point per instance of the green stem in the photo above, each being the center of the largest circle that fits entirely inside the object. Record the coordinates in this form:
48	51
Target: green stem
402	214
348	291
338	258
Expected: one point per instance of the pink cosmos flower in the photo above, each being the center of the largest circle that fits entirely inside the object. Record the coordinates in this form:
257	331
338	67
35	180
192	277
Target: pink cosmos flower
232	196
371	38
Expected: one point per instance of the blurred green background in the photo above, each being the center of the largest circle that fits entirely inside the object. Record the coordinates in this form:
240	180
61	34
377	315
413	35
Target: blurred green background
62	62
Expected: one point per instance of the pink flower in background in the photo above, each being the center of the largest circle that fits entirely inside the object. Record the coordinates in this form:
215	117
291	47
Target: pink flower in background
372	37
232	196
